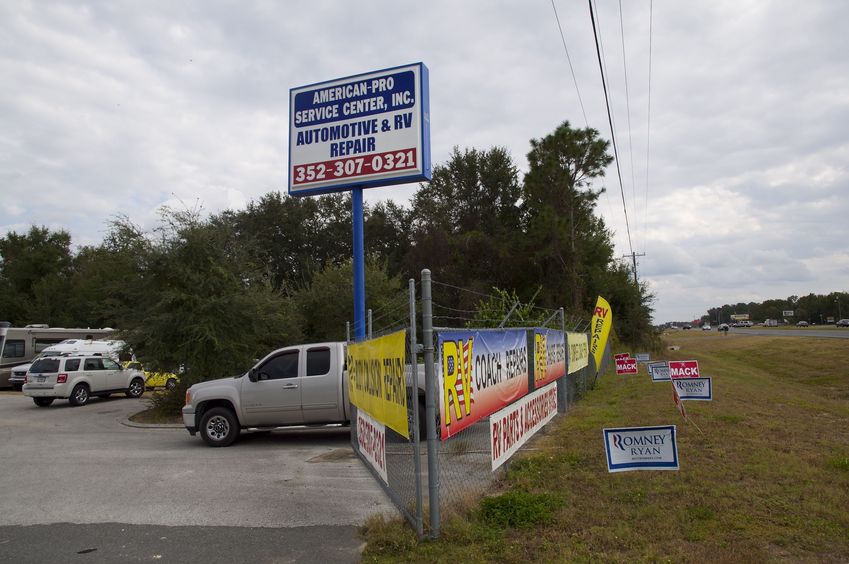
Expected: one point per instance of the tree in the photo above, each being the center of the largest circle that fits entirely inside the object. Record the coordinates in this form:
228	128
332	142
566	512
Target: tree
567	243
34	273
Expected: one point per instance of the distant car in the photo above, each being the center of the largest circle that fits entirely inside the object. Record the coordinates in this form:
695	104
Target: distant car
687	327
843	323
723	327
706	327
802	324
167	380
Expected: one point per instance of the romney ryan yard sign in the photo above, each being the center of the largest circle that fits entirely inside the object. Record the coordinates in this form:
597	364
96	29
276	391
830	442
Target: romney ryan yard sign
361	131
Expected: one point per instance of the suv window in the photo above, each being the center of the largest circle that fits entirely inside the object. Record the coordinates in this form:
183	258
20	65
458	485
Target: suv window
110	364
72	364
318	361
43	365
93	364
14	348
281	366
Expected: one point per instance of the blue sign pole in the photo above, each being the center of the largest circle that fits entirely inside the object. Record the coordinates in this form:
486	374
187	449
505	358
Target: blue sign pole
359	265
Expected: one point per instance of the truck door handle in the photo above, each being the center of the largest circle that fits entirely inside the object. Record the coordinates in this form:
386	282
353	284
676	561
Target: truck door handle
290	387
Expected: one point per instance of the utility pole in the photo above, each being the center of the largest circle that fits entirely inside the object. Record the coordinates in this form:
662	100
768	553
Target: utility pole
633	256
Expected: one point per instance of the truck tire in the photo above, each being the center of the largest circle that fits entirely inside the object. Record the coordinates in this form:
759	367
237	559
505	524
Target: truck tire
219	427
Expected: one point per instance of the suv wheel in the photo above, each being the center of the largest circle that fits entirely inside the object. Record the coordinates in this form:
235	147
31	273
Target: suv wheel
219	427
43	402
136	388
79	396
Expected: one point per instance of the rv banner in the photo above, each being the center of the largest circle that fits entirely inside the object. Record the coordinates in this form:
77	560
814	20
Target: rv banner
549	356
511	427
377	379
641	448
600	329
579	351
481	371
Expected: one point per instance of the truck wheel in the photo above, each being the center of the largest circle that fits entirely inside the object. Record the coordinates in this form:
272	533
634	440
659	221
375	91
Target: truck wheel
136	388
43	402
79	395
219	427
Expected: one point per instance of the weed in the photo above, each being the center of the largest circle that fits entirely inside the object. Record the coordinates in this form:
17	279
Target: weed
518	509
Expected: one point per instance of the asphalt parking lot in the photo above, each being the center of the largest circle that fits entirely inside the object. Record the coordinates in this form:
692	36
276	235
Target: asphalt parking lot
301	490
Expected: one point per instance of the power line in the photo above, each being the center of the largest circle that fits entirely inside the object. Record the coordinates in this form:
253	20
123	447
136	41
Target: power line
612	133
648	127
628	107
568	58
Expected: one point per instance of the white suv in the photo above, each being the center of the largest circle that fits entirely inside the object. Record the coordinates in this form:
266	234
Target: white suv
77	378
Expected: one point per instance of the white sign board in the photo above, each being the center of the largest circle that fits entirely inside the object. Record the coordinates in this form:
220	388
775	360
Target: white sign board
360	131
641	448
659	371
579	351
694	388
787	313
371	440
643	357
511	427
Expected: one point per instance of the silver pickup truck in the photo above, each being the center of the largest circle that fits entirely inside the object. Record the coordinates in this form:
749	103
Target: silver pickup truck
298	385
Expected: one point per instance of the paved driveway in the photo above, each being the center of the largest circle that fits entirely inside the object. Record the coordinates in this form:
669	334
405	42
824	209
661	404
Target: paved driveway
83	466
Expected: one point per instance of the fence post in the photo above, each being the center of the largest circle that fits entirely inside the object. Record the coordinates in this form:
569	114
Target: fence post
348	331
369	324
430	404
414	365
563	382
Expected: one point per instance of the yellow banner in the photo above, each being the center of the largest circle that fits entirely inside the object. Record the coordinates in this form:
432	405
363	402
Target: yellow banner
579	355
600	329
377	381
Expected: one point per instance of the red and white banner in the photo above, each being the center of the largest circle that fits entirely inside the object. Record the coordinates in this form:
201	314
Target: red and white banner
625	364
512	426
371	439
684	369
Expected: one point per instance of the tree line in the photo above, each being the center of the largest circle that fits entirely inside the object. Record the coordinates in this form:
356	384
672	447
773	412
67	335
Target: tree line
813	308
212	292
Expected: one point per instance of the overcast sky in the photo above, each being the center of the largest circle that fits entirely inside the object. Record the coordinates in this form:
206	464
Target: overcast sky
115	108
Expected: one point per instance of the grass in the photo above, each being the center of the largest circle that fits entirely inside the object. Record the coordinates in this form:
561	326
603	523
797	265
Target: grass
768	480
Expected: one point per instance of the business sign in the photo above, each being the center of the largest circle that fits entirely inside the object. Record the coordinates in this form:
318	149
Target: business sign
366	130
684	369
641	448
694	388
659	371
599	329
549	356
579	351
511	427
787	313
481	371
371	440
377	379
643	357
625	364
740	316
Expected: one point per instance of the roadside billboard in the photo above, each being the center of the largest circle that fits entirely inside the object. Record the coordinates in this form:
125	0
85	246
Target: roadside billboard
480	372
377	379
740	316
549	356
366	130
787	313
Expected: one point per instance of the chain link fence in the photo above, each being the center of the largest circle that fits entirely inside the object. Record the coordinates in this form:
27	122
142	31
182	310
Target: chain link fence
424	477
